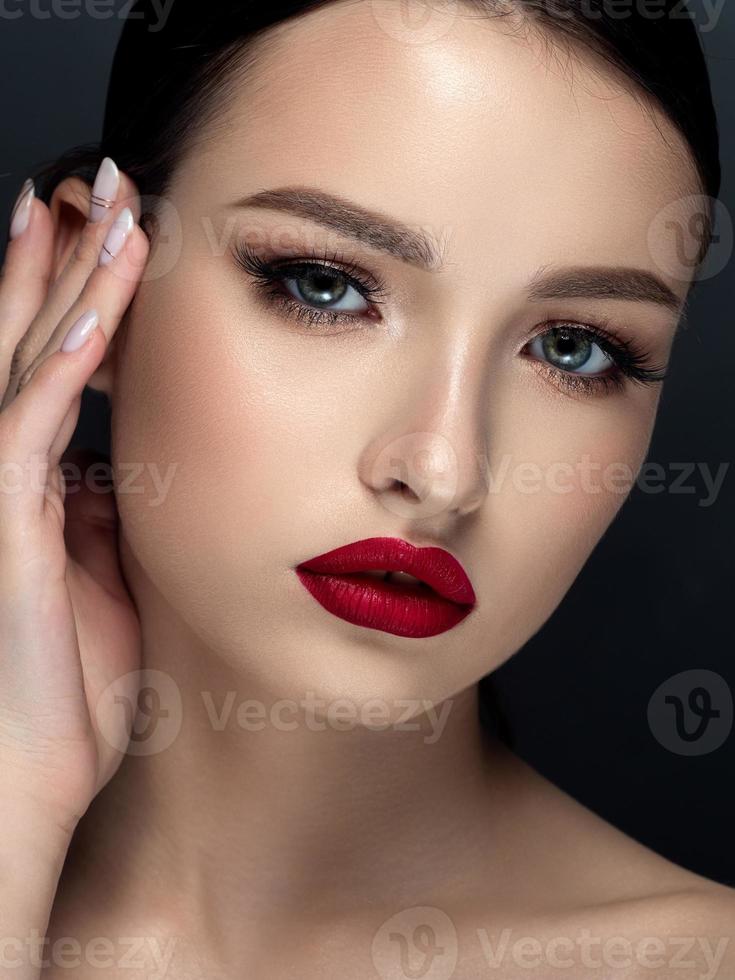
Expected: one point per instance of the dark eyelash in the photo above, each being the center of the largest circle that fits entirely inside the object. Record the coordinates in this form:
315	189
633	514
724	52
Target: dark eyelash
269	275
631	360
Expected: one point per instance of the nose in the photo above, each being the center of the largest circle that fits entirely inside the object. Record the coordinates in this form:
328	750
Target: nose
434	462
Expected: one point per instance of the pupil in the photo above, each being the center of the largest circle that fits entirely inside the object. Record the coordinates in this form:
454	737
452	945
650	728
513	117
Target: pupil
320	286
567	349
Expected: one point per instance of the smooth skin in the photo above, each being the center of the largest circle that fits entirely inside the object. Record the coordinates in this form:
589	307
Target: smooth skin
279	850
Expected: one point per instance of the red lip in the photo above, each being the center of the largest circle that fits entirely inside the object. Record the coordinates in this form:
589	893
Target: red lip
403	609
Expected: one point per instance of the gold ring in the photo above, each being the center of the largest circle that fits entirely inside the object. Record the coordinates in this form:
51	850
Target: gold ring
103	202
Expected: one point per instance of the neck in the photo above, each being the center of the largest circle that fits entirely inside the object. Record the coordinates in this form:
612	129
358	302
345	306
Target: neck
259	796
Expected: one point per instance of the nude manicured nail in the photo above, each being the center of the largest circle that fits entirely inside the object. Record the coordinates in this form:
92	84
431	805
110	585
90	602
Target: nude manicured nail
22	209
104	190
119	231
80	330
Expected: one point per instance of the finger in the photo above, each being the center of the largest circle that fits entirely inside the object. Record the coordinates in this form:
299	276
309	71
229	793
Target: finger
65	289
30	425
83	258
63	436
31	334
25	275
109	289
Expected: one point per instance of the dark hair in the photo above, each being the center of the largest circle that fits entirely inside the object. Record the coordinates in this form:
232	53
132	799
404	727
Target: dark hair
168	80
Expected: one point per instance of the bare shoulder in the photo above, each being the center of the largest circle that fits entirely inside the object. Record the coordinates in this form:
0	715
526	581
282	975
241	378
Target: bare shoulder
710	906
706	911
689	935
601	866
650	916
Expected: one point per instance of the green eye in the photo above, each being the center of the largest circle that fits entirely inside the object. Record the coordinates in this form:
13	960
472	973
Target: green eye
591	359
303	288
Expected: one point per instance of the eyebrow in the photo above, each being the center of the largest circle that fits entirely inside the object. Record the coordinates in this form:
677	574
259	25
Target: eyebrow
418	248
374	228
604	282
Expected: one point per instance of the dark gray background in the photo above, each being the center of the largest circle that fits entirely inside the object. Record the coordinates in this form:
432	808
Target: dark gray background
655	598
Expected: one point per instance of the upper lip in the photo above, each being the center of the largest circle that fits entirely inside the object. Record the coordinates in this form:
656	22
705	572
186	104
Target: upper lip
434	566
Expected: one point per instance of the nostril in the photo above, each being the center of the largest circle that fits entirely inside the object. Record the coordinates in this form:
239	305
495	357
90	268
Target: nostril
404	490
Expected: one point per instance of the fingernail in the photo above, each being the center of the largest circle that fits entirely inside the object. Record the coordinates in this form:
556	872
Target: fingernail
104	190
21	214
119	231
79	332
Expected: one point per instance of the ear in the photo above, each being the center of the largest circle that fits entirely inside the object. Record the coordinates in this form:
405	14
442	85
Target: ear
69	208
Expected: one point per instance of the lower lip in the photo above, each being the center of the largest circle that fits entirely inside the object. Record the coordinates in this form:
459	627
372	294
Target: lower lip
393	608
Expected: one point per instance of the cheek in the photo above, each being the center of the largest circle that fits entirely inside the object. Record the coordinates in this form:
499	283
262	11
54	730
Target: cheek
221	448
560	477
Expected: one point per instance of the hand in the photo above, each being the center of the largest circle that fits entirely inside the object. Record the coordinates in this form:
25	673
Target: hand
68	626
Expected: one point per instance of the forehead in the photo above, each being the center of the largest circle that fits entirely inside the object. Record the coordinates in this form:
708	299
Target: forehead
482	131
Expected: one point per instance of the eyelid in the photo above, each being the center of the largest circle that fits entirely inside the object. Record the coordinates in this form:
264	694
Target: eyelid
600	332
629	357
371	285
271	275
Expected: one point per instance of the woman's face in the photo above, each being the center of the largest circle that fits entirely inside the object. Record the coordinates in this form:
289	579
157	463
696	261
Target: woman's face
287	436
